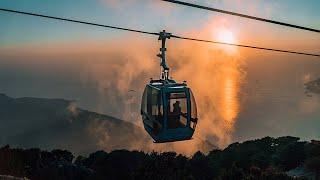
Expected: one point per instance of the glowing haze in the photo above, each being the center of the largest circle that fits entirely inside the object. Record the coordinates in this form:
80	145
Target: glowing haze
240	93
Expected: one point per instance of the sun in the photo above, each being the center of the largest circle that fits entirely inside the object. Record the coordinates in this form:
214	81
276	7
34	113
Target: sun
226	36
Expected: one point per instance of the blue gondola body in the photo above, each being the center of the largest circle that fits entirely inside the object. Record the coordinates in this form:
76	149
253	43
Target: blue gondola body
156	112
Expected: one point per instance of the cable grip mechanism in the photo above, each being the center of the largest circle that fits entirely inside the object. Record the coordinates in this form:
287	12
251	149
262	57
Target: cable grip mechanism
163	36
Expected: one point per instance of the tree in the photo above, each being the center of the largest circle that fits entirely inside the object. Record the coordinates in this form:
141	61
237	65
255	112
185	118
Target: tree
314	165
292	155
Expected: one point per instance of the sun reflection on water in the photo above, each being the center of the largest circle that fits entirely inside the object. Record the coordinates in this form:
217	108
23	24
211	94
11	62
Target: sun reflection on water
229	101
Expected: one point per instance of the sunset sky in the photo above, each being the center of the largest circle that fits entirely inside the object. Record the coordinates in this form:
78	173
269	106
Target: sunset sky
241	93
150	15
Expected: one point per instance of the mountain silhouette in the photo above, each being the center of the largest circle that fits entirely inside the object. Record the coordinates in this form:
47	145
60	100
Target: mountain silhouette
313	86
58	123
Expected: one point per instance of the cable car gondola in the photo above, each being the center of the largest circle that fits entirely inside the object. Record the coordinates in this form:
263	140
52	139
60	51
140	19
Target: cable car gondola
168	108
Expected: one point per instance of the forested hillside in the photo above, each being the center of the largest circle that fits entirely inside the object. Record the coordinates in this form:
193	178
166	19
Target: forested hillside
266	158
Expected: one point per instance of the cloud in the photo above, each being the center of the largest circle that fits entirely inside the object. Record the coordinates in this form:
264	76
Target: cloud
108	76
115	67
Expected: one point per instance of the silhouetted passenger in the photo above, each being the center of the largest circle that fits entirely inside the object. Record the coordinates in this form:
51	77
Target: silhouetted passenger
174	121
176	108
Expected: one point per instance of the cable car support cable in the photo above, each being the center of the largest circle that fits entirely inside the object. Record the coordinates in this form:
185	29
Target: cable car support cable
242	15
153	33
77	21
246	46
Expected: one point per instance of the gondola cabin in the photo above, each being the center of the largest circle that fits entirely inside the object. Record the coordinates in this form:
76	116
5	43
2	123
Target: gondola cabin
168	111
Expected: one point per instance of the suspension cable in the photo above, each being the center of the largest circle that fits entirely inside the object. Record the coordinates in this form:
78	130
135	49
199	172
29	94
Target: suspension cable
153	33
242	15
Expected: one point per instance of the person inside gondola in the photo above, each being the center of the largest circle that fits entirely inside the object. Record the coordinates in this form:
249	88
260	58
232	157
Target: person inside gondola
176	108
175	120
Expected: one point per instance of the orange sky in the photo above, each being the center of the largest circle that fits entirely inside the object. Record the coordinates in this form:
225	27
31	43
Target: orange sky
237	90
